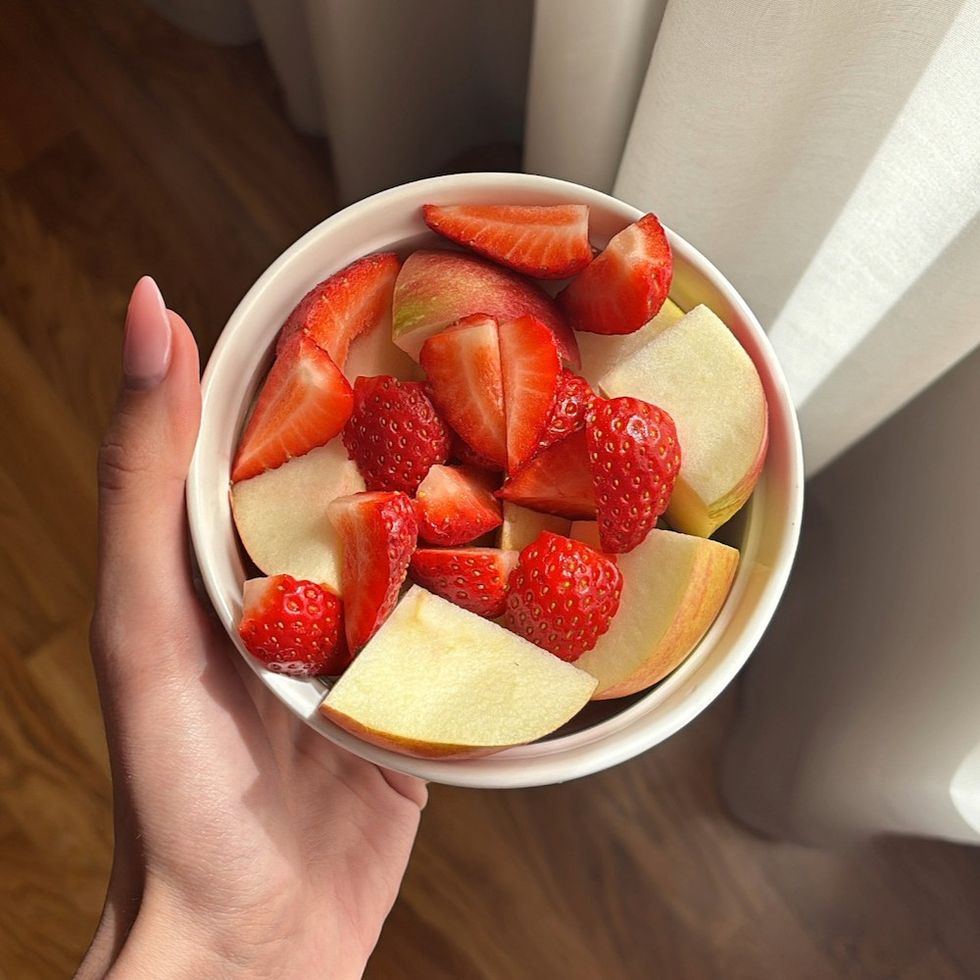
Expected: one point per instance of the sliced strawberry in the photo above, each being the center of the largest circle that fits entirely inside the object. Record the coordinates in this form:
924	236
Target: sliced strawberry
460	451
562	595
353	301
543	241
463	367
625	286
394	433
304	403
557	481
437	287
635	457
293	626
455	506
529	367
573	399
378	533
474	578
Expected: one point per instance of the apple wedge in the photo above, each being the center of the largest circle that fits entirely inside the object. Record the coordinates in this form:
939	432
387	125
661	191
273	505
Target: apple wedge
673	587
521	526
698	372
439	681
281	515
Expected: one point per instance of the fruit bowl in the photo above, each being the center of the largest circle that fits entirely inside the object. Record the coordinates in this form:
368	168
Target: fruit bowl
765	530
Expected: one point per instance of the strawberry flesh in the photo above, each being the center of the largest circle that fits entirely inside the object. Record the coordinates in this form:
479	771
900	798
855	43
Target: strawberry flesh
293	627
304	403
624	287
635	457
455	506
378	532
546	242
462	453
473	578
562	595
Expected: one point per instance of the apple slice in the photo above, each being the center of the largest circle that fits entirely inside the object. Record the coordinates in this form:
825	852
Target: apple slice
281	515
673	587
698	372
437	287
602	352
439	681
521	526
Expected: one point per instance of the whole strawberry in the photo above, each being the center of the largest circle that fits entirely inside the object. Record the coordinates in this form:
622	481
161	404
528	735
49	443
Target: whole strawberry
635	457
394	433
293	626
573	399
562	595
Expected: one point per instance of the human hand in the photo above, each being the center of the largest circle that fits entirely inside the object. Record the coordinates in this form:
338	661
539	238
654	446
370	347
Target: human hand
246	844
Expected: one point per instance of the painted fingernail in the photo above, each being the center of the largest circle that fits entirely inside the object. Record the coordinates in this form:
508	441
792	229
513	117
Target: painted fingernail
147	341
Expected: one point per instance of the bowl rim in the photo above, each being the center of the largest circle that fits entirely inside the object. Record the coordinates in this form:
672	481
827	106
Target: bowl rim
629	732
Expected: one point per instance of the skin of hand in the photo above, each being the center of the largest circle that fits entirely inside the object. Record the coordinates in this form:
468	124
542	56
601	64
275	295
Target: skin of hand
246	844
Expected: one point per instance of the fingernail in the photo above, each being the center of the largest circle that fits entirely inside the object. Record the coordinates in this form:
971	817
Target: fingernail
146	344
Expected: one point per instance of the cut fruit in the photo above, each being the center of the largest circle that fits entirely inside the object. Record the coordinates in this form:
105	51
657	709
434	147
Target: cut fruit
455	505
281	515
542	241
378	532
557	481
463	367
437	681
472	578
529	368
373	353
573	399
602	352
625	286
437	287
673	588
521	526
354	301
699	373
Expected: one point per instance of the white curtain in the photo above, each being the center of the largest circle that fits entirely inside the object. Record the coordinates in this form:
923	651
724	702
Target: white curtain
824	154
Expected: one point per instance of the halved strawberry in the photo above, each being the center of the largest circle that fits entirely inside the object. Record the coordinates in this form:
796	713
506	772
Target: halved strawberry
293	626
394	433
463	367
461	452
474	578
455	505
573	399
543	241
529	367
304	402
378	532
557	481
625	286
562	595
635	457
355	300
437	287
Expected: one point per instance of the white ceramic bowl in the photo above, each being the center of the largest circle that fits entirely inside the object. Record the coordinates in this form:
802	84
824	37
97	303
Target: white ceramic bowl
766	531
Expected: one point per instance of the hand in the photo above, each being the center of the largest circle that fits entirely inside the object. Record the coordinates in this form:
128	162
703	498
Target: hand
246	844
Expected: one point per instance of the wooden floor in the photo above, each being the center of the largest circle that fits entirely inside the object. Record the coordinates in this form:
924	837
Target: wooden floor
126	148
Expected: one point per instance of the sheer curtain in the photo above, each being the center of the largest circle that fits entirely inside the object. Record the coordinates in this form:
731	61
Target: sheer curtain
825	155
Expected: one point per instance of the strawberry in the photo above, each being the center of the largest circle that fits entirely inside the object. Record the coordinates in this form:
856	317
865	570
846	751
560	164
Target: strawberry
353	301
529	368
557	481
474	578
455	506
562	595
378	533
546	242
463	367
293	626
625	286
573	399
460	451
635	456
304	402
394	433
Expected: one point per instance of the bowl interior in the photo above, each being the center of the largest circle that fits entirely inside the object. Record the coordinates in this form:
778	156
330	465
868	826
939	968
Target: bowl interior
765	531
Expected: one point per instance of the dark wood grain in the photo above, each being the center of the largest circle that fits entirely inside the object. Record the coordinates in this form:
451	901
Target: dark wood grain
127	147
